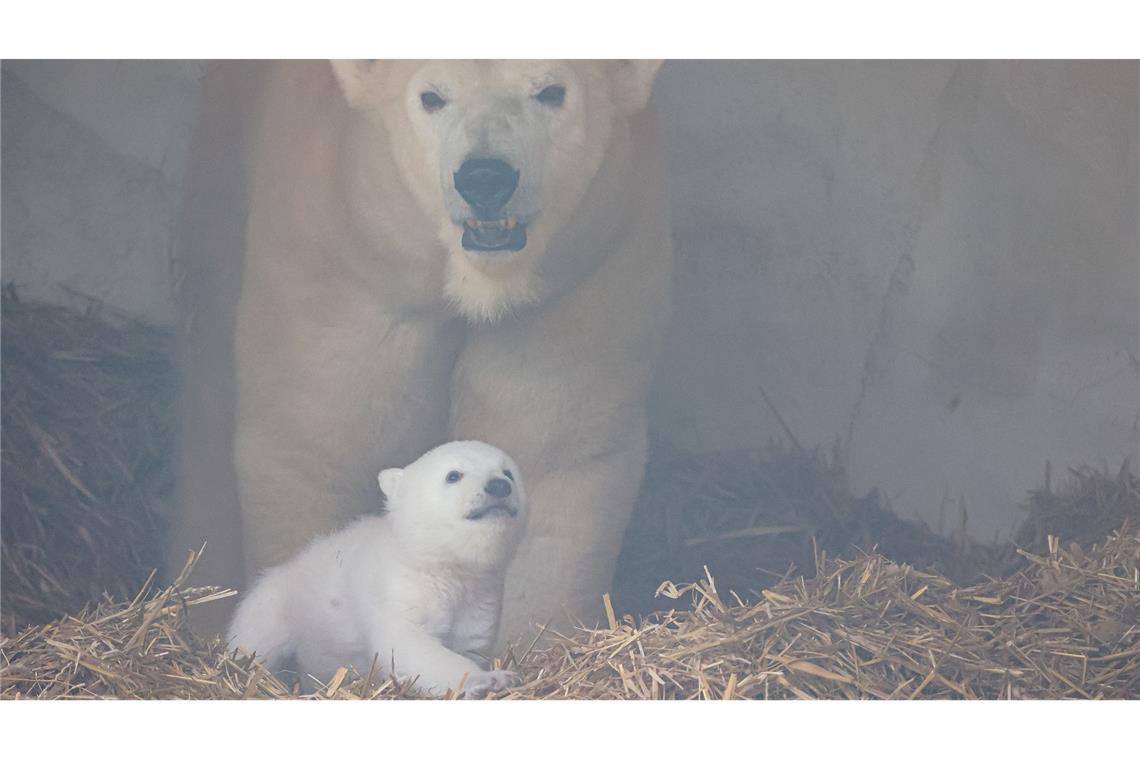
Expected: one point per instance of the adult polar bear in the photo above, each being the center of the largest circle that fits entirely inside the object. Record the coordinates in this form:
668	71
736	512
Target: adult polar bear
448	251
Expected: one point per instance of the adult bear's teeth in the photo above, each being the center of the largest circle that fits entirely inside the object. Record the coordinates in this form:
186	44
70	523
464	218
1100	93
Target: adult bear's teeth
492	224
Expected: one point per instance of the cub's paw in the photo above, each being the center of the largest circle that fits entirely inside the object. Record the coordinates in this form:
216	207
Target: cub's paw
478	685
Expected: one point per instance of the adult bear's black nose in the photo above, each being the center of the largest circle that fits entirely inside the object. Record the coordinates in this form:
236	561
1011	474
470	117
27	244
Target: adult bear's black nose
486	184
498	487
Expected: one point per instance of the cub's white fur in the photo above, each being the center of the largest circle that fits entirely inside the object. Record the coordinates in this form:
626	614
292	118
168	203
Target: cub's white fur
419	588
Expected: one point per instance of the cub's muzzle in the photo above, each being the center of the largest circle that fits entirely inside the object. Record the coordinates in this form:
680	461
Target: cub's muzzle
500	488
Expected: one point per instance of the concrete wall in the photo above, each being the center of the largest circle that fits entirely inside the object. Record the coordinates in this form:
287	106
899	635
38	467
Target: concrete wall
935	265
92	159
932	266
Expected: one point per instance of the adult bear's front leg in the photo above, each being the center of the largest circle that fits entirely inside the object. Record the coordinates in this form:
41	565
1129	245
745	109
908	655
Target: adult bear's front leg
566	561
289	494
321	409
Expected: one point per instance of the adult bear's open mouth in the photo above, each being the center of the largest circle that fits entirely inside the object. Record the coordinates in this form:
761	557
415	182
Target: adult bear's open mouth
494	235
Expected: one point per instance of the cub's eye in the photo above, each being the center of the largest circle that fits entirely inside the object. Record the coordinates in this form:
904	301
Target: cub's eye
432	101
554	95
510	475
454	476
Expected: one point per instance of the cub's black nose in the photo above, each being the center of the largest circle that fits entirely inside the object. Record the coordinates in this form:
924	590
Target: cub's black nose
498	487
486	184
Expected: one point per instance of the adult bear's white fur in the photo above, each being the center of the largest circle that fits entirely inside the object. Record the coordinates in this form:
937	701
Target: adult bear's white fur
346	355
420	587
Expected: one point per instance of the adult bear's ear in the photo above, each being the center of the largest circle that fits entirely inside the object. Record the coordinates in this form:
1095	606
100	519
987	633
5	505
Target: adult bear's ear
633	81
390	481
356	77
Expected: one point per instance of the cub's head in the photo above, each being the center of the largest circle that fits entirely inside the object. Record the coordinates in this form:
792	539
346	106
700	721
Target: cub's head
460	503
501	154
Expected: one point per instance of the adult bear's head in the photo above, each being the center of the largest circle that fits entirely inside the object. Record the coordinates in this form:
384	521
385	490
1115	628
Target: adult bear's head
523	165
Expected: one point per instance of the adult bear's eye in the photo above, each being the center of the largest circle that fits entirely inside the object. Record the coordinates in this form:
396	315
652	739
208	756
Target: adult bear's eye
510	475
432	101
454	476
554	95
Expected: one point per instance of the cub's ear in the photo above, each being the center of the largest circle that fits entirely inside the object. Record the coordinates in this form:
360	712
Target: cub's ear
633	82
390	481
355	76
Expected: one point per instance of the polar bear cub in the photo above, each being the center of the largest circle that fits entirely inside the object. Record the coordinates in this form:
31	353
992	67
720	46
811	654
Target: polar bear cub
419	588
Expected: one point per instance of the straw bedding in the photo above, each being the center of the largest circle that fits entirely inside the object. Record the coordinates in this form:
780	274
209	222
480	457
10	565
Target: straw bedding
1063	626
756	516
859	604
86	439
141	649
